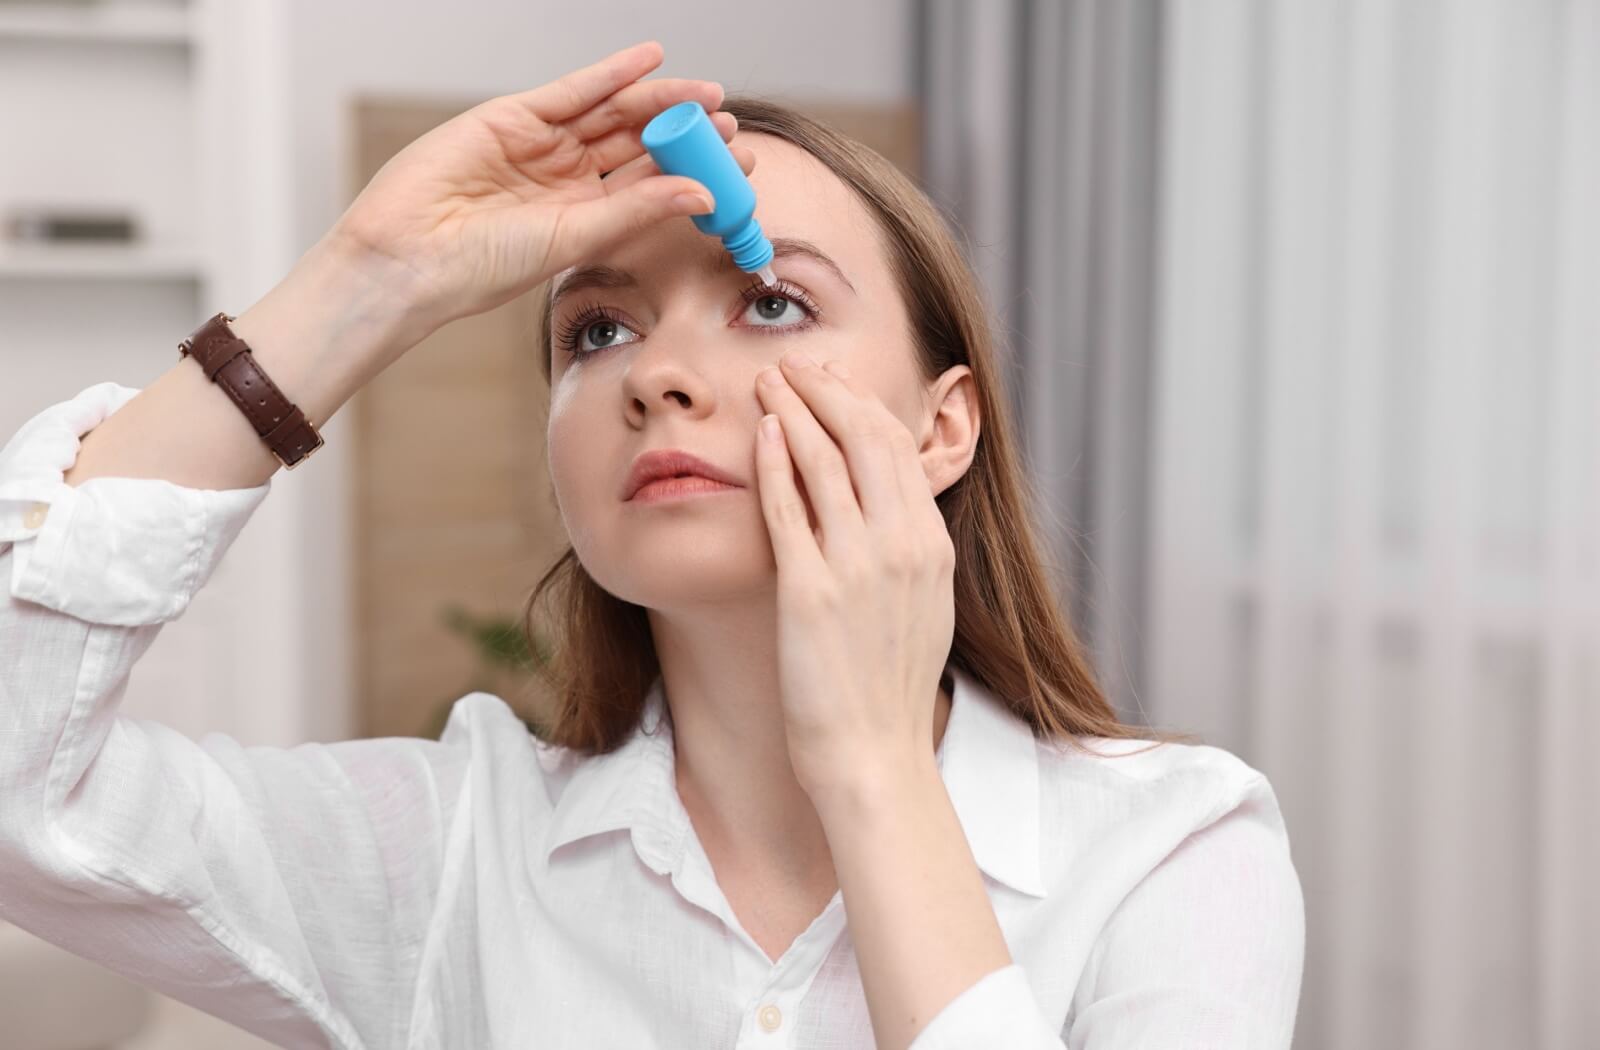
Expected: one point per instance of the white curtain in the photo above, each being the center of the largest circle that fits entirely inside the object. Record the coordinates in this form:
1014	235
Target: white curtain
1041	129
1301	303
1375	510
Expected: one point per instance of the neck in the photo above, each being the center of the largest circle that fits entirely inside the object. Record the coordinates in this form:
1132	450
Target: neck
732	769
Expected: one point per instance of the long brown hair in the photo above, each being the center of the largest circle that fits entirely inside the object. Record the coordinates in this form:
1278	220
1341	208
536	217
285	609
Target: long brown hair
1010	633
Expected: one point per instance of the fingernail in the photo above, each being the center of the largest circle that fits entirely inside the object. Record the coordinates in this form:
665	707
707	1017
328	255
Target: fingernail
693	202
797	360
771	376
837	369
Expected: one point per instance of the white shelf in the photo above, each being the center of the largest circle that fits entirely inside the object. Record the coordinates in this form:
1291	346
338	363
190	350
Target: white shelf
113	106
132	262
97	22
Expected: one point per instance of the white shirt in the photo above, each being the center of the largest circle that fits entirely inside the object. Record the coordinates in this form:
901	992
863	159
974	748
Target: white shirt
488	890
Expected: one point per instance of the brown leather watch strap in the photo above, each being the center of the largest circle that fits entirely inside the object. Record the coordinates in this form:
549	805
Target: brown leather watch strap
228	362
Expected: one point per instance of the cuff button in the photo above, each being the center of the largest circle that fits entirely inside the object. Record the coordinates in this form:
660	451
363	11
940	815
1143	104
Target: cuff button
36	514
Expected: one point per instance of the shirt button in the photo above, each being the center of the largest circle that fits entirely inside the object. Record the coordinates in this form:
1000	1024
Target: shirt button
771	1017
35	516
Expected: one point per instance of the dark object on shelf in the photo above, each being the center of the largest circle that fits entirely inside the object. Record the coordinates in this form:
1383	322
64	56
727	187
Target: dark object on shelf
55	225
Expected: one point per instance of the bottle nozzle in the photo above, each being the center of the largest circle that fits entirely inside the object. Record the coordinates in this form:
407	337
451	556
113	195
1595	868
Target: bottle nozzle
682	141
767	275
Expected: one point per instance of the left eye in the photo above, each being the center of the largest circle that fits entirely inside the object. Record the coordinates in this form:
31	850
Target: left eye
772	306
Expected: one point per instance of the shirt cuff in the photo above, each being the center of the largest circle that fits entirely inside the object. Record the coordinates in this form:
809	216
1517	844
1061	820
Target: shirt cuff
124	551
999	1010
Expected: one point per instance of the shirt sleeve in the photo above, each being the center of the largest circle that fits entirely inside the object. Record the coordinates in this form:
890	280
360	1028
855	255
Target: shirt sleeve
1205	953
287	891
999	1010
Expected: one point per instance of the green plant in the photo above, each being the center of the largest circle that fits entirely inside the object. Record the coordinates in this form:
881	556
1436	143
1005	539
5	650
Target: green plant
504	657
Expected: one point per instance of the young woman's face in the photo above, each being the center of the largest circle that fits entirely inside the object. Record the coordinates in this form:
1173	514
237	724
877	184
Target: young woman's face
669	360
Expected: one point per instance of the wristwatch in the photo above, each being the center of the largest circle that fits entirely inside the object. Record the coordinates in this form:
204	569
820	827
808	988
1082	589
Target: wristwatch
228	362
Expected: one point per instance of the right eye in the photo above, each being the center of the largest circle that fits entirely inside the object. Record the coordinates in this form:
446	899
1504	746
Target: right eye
595	321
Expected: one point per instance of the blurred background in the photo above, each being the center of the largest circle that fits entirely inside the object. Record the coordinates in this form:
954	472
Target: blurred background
1300	304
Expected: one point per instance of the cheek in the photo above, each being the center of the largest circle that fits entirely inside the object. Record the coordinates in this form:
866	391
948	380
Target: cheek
880	376
571	453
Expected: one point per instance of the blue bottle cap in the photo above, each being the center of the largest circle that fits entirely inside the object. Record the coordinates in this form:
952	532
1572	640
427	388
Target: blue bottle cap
683	141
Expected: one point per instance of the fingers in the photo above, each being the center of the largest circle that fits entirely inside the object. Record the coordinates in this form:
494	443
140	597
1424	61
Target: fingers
831	421
592	225
819	457
794	538
568	96
637	103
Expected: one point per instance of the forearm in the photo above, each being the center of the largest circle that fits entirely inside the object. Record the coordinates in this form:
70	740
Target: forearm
920	918
332	323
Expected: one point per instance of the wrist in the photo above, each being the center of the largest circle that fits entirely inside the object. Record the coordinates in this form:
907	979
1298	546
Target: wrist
873	789
335	321
393	290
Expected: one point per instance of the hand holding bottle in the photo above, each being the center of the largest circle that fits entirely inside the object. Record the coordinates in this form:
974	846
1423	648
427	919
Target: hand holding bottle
503	196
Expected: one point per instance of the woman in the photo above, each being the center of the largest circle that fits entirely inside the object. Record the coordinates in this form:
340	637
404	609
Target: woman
828	769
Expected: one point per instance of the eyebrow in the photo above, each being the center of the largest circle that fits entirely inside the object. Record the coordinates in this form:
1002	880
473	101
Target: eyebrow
611	277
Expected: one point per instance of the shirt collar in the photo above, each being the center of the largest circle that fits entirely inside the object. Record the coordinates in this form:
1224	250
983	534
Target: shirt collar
988	759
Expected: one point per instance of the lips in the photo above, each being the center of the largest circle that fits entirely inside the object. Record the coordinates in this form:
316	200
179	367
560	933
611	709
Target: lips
670	463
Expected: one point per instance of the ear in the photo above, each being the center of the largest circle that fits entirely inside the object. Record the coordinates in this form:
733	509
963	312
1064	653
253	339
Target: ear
951	426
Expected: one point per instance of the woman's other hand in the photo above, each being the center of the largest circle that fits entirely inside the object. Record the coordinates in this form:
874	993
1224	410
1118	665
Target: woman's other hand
490	203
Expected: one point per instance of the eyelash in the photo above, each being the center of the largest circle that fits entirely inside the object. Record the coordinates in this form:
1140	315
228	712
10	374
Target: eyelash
567	338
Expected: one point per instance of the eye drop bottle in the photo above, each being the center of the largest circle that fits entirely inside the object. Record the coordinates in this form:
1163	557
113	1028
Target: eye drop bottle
683	141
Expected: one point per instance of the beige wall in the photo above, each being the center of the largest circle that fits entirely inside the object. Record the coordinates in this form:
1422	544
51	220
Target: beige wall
449	496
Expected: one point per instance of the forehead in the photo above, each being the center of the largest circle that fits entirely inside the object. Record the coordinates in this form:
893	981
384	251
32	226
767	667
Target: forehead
796	196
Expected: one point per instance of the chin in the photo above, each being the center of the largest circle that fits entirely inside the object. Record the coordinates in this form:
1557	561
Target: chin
663	567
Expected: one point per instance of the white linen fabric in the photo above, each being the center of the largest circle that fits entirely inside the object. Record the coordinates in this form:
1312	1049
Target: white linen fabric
488	890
